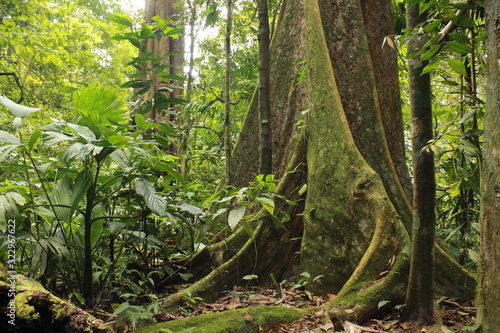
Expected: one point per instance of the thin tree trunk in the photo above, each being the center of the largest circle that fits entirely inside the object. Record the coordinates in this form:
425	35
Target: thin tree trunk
227	93
419	298
88	285
266	155
187	122
489	273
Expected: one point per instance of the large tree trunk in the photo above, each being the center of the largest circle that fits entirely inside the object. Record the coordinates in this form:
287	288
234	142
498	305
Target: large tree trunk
329	133
489	277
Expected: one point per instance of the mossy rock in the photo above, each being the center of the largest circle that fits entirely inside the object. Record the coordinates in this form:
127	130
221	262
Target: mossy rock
245	320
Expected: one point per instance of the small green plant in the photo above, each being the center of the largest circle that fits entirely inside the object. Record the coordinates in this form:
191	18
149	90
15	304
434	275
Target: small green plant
305	279
238	204
135	316
189	299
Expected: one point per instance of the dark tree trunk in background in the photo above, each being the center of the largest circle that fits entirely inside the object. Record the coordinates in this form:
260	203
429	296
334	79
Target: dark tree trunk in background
489	273
266	155
227	95
420	295
186	121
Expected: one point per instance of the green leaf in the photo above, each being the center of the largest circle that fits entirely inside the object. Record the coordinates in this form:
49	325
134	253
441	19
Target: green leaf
117	140
267	203
431	66
455	189
212	18
463	21
81	185
80	150
250	277
382	303
141	122
303	189
247	227
433	26
474	255
120	158
99	105
190	209
450	83
61	200
155	202
454	231
136	42
5	151
472	133
137	84
79	297
54	138
175	175
96	232
467	116
430	53
235	216
457	66
459	47
34	139
9	138
121	20
83	132
458	37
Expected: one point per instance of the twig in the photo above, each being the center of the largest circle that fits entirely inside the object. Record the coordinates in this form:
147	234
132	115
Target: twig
16	78
450	26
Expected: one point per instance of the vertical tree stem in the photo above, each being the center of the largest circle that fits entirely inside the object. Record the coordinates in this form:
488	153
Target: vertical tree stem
419	298
227	93
266	154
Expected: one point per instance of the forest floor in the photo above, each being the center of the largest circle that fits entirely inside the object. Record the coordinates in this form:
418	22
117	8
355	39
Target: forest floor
454	315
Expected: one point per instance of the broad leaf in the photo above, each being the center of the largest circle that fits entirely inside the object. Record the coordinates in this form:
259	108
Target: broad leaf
267	203
455	189
235	216
459	47
125	21
155	202
5	151
9	138
457	66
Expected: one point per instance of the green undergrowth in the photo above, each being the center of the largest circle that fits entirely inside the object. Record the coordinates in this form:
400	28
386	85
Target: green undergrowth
246	320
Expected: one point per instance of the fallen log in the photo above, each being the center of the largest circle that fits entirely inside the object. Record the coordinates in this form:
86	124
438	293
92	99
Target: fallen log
25	306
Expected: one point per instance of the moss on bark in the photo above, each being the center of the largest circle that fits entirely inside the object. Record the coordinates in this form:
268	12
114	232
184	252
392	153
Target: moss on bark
489	278
38	310
346	201
248	320
354	233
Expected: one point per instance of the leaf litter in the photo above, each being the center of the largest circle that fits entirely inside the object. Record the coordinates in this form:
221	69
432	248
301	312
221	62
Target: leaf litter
456	316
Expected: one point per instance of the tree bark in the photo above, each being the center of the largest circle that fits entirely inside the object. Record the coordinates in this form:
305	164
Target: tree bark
489	273
419	303
186	121
165	9
355	216
227	95
266	152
